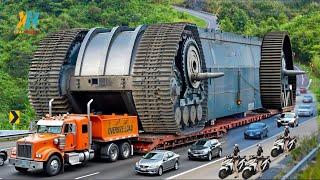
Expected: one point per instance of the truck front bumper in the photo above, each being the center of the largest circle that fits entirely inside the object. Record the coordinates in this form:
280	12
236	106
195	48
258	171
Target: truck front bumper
29	164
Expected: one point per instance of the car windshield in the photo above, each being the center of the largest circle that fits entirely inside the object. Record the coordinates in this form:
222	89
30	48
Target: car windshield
288	115
255	126
204	143
49	129
307	96
153	156
304	107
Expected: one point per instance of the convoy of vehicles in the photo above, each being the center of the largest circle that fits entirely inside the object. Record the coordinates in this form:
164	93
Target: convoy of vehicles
205	149
256	130
278	145
157	162
251	166
288	119
305	110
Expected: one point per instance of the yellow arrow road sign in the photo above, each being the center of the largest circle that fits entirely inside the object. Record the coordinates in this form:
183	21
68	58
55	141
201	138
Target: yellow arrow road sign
14	117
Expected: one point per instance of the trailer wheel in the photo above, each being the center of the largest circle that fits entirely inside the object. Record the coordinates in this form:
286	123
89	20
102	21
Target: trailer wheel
22	170
53	166
113	152
124	150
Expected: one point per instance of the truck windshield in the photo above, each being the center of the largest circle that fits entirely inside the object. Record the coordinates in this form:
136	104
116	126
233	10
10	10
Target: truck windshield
49	129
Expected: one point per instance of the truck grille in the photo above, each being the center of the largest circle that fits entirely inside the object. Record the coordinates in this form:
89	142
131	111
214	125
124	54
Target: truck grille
24	150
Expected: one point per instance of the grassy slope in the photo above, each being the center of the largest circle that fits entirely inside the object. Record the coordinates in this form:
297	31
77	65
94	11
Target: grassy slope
16	50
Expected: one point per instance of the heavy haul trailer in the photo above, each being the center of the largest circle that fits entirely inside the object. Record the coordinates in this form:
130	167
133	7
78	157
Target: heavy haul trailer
174	77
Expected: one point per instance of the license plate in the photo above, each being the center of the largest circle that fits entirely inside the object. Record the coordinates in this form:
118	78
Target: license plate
143	169
24	163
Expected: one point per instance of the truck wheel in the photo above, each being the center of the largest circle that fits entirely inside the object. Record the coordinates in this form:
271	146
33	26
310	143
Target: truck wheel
125	150
22	170
53	166
113	152
2	159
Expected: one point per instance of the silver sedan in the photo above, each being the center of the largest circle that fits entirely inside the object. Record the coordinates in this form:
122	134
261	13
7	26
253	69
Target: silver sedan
157	161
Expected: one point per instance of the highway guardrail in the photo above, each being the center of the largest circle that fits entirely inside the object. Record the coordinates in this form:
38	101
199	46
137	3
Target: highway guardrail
312	154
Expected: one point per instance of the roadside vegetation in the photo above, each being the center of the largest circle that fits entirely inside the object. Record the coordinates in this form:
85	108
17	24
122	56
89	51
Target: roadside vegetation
16	50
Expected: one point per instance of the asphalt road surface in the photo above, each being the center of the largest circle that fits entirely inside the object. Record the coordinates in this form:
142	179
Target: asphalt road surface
209	18
123	169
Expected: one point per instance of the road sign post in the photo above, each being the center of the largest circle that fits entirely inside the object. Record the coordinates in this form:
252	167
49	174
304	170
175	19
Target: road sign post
14	118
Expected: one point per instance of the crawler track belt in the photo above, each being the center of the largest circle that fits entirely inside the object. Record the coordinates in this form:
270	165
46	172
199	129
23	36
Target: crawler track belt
152	72
271	68
45	70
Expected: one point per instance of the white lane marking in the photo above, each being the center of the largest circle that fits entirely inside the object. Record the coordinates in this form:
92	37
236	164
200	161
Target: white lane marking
87	175
204	165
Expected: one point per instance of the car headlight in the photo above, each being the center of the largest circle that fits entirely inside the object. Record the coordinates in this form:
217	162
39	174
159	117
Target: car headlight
38	155
189	150
137	163
153	166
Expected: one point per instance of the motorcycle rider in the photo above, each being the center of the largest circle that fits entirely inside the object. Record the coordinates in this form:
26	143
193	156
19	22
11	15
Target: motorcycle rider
286	136
259	159
236	157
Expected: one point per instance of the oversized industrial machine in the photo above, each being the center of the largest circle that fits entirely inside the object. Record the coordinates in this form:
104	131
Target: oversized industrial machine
174	77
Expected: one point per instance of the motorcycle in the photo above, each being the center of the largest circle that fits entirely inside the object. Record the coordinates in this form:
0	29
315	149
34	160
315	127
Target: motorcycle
278	145
227	166
251	166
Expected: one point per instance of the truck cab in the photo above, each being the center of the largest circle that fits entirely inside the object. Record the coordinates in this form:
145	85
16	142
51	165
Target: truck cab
73	139
58	140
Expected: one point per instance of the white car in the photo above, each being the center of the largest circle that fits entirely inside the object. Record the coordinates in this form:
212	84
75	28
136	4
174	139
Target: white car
288	119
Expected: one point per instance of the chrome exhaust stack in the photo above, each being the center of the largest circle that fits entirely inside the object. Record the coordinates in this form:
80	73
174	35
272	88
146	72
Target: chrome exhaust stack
90	124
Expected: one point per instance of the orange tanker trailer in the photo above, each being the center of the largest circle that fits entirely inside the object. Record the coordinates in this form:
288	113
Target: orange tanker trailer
73	139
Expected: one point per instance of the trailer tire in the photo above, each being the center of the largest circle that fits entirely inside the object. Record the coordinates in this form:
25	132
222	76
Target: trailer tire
113	152
22	170
53	166
124	150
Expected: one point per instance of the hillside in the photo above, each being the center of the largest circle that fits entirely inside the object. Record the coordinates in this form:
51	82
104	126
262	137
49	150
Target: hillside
16	50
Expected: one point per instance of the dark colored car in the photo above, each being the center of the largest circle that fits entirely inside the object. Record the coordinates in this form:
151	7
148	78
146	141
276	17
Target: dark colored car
256	131
205	149
307	99
3	157
303	90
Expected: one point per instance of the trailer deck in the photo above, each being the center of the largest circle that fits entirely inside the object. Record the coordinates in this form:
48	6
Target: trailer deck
147	141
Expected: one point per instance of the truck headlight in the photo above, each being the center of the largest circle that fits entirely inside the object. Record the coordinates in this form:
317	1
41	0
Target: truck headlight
38	155
14	151
55	141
